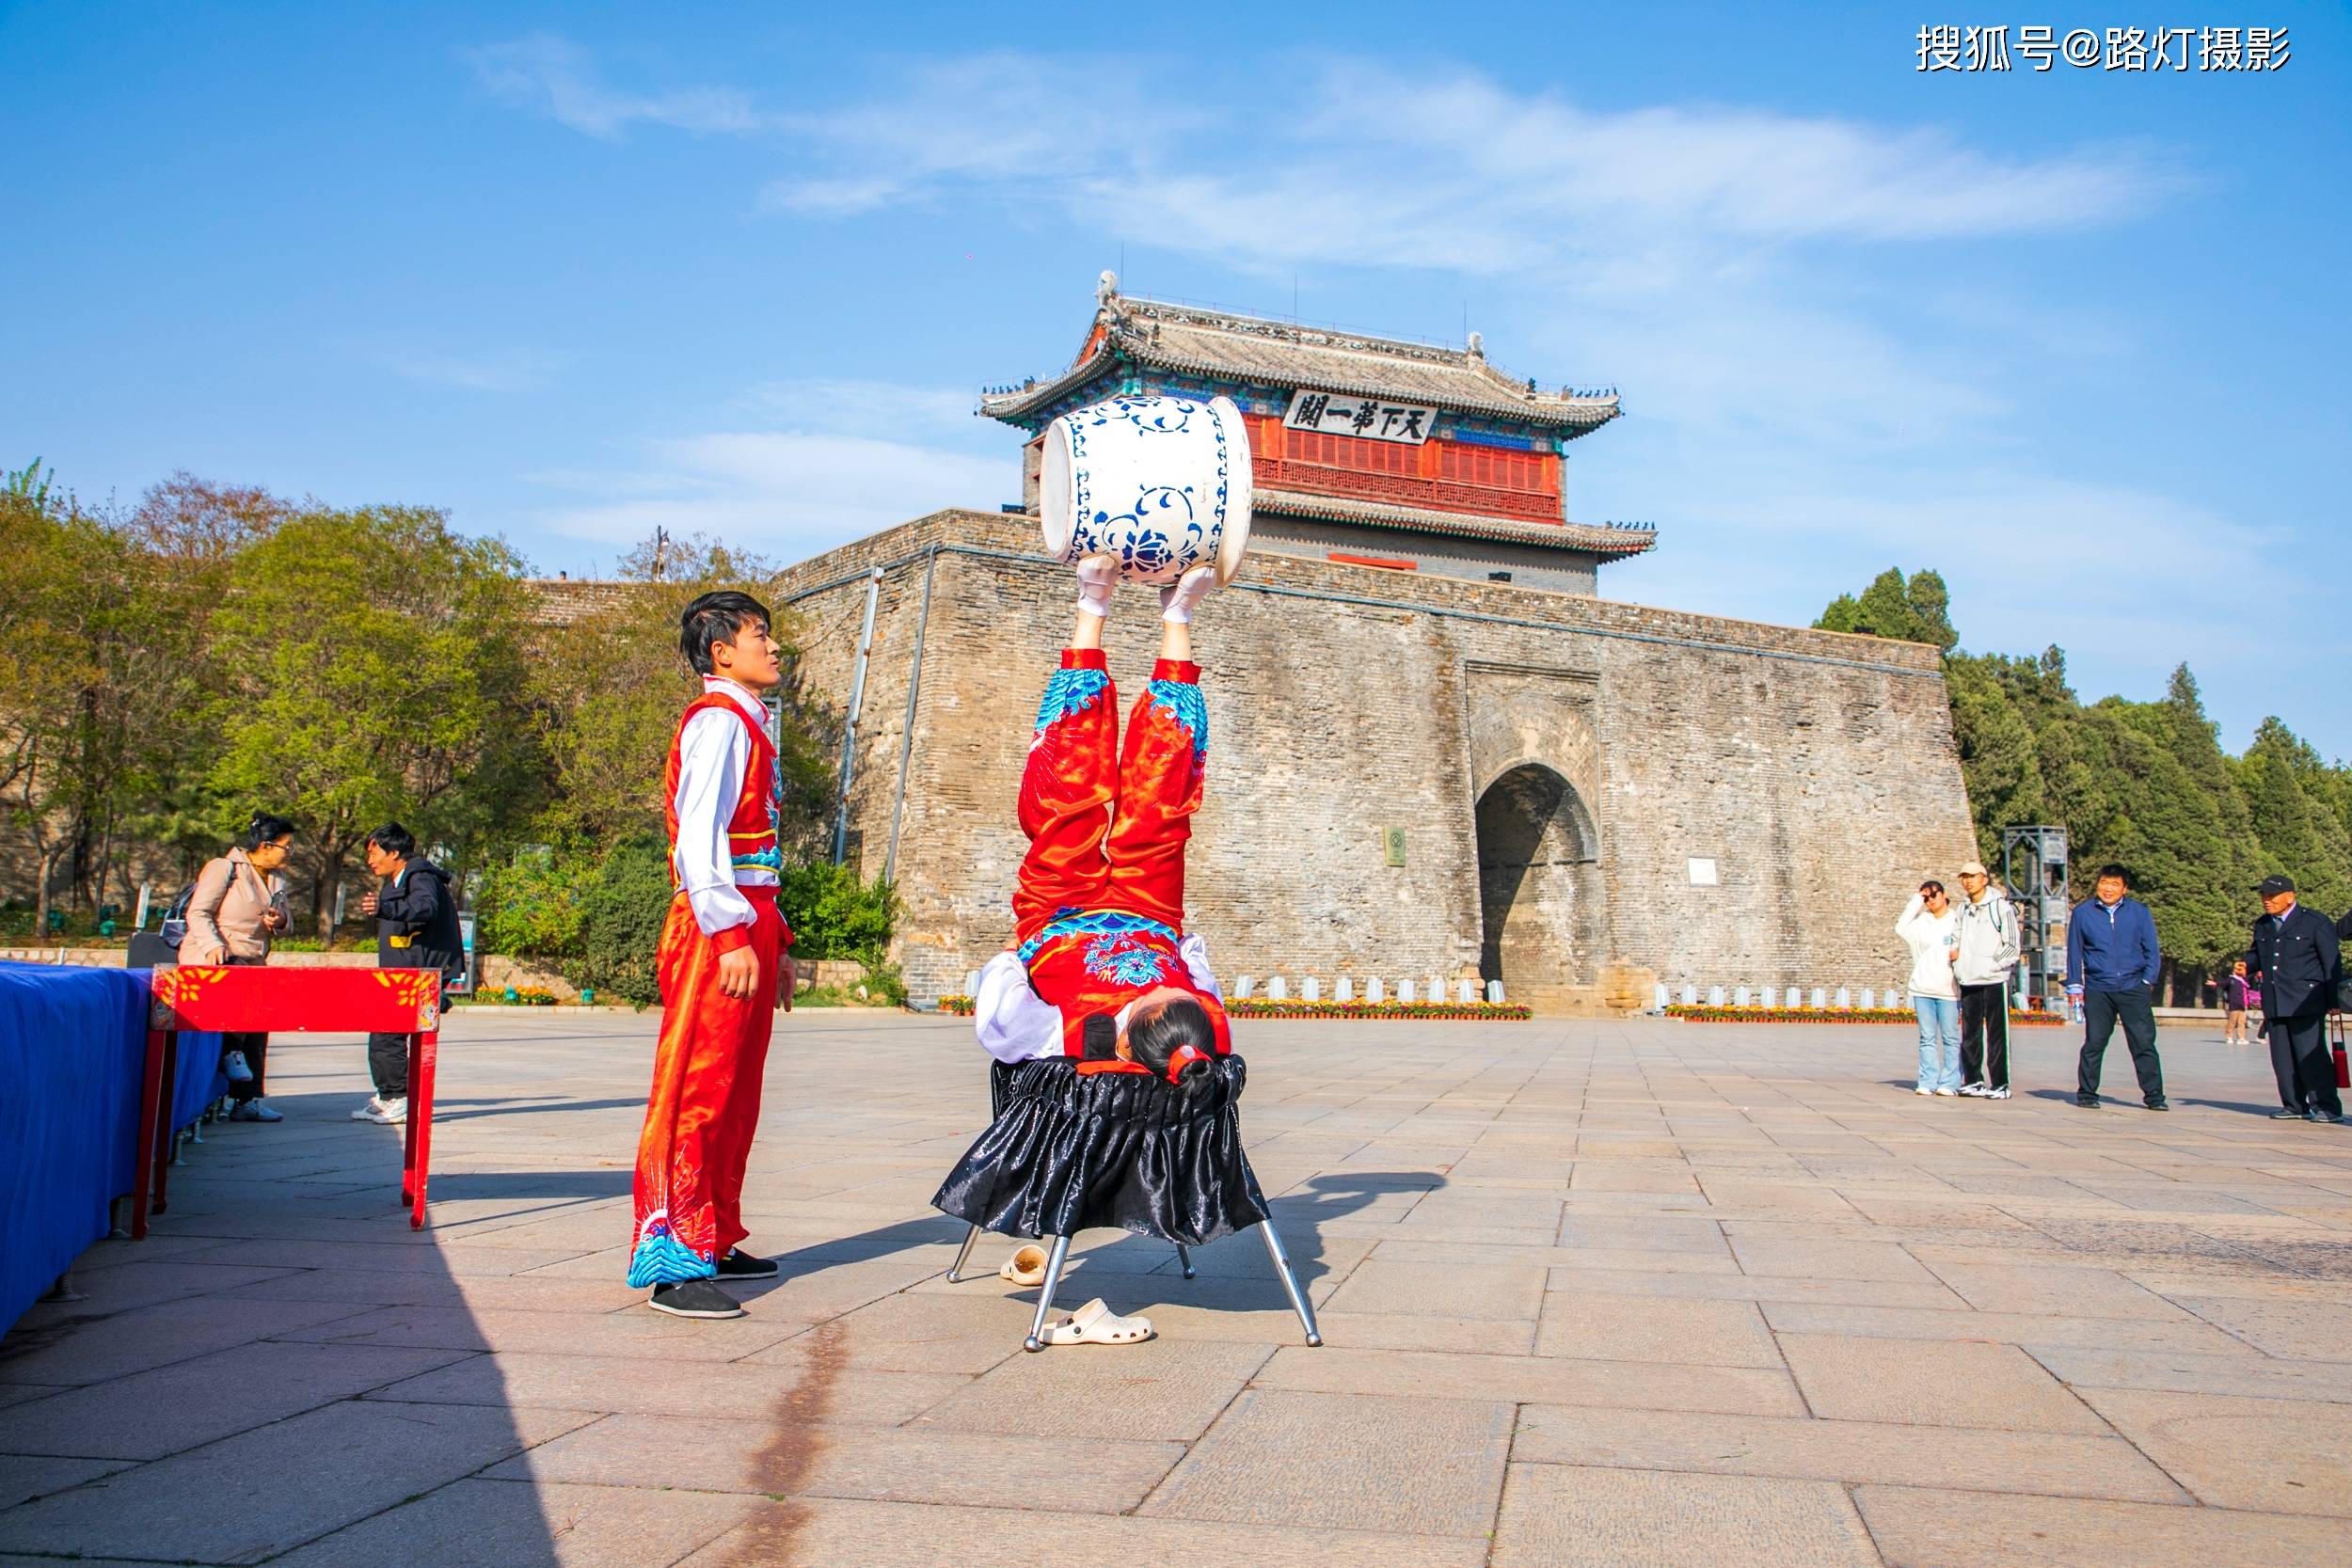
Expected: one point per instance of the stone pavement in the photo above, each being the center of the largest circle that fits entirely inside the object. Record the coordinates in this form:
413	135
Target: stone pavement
1593	1293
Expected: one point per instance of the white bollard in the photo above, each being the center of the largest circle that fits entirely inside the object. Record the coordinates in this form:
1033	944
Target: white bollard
1375	992
1466	993
1794	998
1714	996
1661	1001
1243	986
1895	999
1310	989
972	983
1845	999
1494	992
1277	989
1344	990
1820	999
1740	996
1690	996
1405	992
1870	999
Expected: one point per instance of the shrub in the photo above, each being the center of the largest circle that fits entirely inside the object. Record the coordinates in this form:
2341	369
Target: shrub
621	914
833	915
532	906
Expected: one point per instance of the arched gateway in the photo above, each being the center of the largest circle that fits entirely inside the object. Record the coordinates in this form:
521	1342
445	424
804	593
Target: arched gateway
1543	915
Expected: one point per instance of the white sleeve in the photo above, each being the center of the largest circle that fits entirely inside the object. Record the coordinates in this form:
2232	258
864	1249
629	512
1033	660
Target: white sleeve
1910	912
1195	952
1014	1023
712	754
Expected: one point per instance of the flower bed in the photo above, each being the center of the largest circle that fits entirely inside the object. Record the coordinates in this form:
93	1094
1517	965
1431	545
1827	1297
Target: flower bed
1828	1015
1259	1007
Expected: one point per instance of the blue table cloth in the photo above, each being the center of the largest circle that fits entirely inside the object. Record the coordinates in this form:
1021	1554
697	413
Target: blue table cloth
72	1052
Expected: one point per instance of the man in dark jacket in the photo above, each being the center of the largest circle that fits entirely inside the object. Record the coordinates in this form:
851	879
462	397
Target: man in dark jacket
2296	956
2111	960
416	928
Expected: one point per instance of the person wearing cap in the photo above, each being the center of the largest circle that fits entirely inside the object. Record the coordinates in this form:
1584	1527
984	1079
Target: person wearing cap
1987	952
2111	960
2296	957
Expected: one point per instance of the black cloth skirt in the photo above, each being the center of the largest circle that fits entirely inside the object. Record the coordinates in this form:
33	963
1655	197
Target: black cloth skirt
1112	1151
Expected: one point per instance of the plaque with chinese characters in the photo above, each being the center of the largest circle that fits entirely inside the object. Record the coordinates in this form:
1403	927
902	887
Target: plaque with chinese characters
1340	414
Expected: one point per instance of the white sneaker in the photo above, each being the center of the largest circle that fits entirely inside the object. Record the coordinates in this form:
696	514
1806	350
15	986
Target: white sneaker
1974	1091
1923	1091
372	1111
252	1110
390	1112
2001	1093
234	1065
1948	1094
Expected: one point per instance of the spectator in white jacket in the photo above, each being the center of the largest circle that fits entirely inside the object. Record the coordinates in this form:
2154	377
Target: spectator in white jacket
1930	929
1987	951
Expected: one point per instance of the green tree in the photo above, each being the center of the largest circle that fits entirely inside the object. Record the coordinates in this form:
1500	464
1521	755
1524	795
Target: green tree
1913	611
2290	793
375	669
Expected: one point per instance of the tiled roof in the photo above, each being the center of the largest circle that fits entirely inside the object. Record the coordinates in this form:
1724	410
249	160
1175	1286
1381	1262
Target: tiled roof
1559	536
1195	340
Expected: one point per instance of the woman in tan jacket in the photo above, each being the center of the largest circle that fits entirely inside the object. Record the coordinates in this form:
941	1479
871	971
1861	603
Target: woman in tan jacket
239	903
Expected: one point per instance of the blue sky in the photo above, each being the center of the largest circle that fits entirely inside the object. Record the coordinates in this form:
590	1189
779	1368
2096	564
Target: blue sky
2076	340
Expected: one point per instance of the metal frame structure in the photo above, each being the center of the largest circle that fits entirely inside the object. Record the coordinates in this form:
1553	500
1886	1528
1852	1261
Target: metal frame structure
2034	867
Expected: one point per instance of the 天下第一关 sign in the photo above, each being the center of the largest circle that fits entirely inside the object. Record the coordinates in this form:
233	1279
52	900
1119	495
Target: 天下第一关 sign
1339	414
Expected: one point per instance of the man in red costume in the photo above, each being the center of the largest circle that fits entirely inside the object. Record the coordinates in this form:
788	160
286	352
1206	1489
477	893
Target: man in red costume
1099	910
724	966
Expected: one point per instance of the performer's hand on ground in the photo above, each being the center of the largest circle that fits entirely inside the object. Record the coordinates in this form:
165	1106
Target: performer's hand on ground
787	980
738	971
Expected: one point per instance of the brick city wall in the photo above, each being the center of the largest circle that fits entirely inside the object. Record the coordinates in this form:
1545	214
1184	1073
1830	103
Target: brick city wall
1815	770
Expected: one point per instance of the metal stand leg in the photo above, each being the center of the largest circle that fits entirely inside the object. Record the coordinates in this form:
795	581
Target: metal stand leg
1184	1261
1290	1281
1035	1340
963	1255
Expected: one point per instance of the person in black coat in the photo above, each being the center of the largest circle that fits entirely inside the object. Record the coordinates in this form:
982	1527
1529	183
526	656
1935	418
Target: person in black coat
2296	956
416	928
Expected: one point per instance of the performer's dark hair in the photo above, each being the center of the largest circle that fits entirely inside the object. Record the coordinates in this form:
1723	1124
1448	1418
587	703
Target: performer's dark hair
265	828
393	839
1154	1038
716	618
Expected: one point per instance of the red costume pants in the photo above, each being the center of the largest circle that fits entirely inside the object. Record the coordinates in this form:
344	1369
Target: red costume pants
1107	830
705	1105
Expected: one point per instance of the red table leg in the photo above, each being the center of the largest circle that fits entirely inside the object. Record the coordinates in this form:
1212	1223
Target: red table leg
150	1098
167	1088
422	1060
408	1131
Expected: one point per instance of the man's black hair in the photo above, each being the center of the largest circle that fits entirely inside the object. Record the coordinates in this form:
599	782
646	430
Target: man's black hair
716	618
393	839
2111	869
266	827
1153	1038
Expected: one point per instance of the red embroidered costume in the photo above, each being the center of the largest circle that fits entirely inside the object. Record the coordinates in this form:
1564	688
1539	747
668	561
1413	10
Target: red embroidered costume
719	795
1100	907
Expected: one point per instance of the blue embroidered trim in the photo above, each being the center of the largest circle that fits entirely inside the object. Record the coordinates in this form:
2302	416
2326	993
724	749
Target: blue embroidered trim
1070	923
661	1259
1071	691
1121	961
1182	700
770	859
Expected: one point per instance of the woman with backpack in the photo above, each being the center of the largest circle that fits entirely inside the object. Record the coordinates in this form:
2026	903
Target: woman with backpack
237	904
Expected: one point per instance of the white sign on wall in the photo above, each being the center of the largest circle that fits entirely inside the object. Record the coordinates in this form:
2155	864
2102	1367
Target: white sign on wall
1703	873
1339	414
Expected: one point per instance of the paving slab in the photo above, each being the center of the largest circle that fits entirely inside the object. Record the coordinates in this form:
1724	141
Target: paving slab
1551	1380
1565	1516
1850	1452
1606	1327
1956	1385
2274	1456
1166	1390
1927	1529
543	1525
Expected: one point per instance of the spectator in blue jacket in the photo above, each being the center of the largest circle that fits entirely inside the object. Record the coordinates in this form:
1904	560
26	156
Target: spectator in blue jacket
2111	960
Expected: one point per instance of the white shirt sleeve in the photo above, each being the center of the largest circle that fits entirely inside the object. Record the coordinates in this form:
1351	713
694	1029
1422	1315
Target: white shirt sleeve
712	753
1014	1023
1195	952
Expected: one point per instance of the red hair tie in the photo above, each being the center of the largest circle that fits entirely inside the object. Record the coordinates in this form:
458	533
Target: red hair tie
1179	1057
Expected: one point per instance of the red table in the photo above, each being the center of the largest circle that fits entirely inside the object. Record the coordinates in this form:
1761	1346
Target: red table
258	1000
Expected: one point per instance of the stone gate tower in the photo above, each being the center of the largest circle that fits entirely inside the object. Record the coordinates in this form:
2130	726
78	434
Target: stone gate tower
1435	750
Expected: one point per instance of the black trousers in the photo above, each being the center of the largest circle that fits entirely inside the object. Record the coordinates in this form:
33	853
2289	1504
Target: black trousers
1985	1035
256	1048
2101	1011
2305	1068
387	1063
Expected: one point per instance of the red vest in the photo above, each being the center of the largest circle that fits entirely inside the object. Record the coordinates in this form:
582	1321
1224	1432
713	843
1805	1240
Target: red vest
752	830
1099	962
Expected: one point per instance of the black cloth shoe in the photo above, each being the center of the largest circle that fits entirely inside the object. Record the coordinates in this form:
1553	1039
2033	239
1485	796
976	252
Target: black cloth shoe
2086	1104
738	1264
695	1298
2286	1113
2158	1105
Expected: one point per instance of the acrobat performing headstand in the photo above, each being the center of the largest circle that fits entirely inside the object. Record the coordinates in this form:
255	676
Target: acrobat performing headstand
725	965
1098	909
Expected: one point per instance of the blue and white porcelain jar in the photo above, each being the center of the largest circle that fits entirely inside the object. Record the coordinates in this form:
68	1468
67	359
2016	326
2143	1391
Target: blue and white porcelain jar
1161	483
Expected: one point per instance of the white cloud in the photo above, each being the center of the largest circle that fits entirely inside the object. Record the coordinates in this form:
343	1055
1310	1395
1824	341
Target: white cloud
552	76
